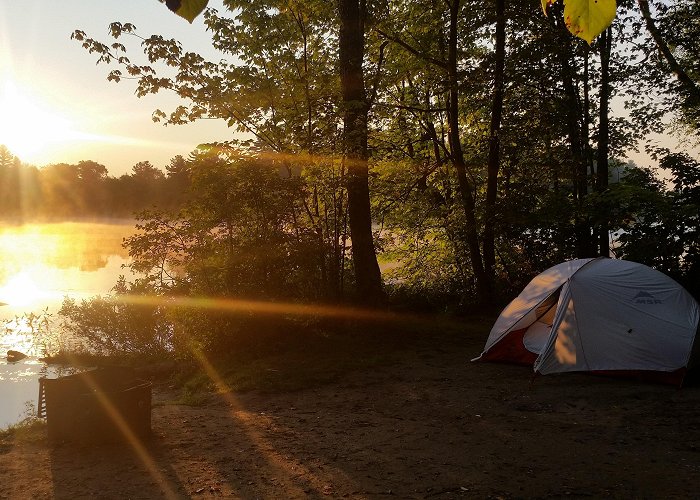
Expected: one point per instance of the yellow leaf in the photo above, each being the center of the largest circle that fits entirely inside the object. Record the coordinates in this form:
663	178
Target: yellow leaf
586	18
189	9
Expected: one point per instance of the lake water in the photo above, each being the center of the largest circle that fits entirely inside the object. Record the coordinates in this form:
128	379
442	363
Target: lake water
40	264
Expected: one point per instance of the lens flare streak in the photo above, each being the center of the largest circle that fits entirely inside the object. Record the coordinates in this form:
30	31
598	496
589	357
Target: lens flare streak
264	307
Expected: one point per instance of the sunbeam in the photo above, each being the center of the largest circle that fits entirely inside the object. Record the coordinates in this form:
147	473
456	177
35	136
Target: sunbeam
282	464
233	305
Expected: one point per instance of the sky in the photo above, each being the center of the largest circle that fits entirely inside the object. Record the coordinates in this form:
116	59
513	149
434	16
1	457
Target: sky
56	104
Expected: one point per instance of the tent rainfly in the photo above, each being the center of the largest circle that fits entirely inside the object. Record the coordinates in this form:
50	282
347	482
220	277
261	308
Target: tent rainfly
600	315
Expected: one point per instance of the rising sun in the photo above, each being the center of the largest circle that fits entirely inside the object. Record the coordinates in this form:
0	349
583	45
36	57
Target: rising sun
20	291
28	125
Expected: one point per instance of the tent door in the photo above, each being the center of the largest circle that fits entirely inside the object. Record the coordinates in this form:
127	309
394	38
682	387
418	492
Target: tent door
537	334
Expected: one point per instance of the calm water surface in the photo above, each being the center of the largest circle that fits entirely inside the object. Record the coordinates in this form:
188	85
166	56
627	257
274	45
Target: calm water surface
40	264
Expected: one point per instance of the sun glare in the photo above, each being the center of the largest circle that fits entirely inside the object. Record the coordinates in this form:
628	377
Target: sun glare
28	125
20	291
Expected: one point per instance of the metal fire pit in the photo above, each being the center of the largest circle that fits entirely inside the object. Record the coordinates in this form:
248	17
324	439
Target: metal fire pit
102	405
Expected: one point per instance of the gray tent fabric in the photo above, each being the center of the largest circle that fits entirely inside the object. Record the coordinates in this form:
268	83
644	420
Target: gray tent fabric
610	315
522	311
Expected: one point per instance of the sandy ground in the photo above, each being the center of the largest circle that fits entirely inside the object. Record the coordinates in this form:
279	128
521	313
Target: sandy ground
430	425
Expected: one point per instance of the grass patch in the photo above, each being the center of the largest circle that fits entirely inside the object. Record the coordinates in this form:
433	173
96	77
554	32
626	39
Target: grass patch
195	391
29	430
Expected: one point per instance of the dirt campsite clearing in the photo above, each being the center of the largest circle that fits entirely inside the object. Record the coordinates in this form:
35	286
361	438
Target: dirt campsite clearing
425	424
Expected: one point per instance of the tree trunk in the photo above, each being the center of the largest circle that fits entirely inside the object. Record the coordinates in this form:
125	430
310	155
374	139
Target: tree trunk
483	286
495	143
356	108
603	137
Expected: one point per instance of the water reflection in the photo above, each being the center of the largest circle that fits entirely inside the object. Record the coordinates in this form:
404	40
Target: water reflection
40	264
85	246
16	376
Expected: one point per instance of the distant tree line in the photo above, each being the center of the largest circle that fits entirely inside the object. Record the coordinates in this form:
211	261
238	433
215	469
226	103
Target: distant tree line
63	191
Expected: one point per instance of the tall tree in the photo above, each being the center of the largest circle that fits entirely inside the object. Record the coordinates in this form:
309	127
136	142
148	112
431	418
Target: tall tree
466	188
351	42
604	137
577	149
440	45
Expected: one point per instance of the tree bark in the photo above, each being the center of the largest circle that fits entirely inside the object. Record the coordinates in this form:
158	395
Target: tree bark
489	243
356	109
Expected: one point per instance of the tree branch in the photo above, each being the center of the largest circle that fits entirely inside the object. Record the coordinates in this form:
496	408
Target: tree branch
412	50
377	74
687	83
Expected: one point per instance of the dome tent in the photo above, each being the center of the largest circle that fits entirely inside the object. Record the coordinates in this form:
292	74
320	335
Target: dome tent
599	315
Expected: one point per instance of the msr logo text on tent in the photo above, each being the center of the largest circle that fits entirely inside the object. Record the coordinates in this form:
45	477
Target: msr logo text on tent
646	298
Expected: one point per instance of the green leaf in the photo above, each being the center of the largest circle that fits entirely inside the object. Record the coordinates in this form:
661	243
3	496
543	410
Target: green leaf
189	9
586	18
